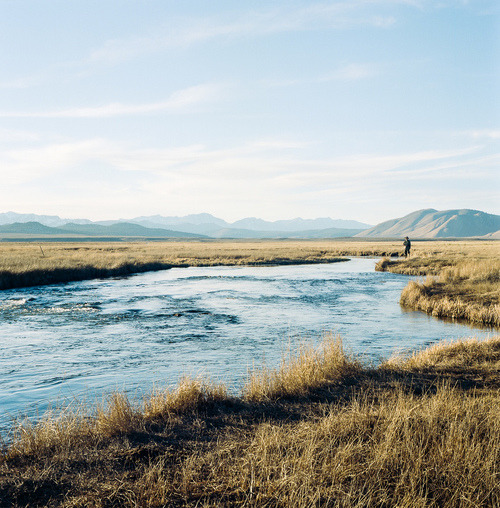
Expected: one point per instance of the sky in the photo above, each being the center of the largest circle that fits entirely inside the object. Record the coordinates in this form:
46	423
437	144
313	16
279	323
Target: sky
350	109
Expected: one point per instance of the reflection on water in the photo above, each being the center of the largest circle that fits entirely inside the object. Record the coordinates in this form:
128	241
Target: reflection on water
87	338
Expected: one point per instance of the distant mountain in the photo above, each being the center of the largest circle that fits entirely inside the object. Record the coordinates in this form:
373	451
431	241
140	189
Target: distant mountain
200	219
197	229
121	229
125	229
46	220
427	223
30	228
307	234
430	223
297	224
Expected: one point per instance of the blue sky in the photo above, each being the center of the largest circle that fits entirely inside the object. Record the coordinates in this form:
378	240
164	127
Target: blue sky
358	109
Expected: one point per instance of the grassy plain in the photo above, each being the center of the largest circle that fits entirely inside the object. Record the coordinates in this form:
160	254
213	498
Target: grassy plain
463	277
28	264
420	431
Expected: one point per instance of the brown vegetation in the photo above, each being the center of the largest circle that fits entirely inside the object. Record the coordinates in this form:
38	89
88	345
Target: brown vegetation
417	431
27	264
463	281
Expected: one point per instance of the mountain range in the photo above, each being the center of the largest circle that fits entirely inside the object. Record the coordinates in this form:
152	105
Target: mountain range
201	225
428	223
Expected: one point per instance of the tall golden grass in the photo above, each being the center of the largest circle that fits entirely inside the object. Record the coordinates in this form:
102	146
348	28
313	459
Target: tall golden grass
439	449
463	283
421	430
301	371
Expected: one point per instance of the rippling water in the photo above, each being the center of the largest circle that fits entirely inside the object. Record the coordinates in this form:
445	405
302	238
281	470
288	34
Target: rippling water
87	338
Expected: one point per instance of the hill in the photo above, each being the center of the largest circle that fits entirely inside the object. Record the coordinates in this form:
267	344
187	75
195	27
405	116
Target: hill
430	223
123	229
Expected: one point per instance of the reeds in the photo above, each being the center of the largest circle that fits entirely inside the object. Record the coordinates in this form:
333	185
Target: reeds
422	430
190	394
419	296
439	449
467	355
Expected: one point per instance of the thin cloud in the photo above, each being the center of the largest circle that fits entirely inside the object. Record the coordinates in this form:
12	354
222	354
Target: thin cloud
484	133
346	73
177	102
185	33
281	173
265	160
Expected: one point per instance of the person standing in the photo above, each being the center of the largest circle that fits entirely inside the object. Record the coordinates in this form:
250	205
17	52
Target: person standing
407	245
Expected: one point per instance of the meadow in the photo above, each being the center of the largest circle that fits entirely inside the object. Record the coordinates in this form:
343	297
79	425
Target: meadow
321	429
25	264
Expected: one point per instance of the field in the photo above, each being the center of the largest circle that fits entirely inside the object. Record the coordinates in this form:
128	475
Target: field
25	264
323	429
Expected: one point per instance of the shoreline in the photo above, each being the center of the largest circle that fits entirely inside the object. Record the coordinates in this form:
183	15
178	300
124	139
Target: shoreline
458	289
463	278
25	265
63	275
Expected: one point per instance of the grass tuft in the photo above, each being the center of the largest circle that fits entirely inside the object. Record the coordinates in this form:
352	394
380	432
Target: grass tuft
115	417
190	394
302	371
462	282
465	354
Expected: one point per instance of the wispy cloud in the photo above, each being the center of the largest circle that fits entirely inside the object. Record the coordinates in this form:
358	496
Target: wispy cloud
346	73
481	134
339	15
266	159
255	23
253	178
177	102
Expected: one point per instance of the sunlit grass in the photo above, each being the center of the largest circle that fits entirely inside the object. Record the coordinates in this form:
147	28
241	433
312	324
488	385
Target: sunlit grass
25	264
301	371
462	283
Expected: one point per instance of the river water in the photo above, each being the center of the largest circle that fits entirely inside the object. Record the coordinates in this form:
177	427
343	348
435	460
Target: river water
84	339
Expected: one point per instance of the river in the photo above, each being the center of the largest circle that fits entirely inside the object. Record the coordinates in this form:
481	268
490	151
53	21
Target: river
82	340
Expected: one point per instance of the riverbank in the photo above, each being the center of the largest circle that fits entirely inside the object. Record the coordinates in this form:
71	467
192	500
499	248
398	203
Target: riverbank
27	264
321	430
462	282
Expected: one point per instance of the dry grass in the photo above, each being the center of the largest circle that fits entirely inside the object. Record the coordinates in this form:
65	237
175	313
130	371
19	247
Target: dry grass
417	431
321	430
190	394
301	371
468	355
439	449
463	281
25	264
